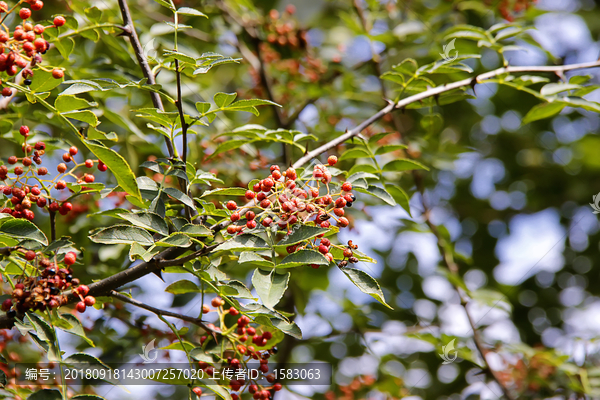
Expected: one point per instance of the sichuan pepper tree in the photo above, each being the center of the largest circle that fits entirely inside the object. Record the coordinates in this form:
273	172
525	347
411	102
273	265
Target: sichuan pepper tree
253	189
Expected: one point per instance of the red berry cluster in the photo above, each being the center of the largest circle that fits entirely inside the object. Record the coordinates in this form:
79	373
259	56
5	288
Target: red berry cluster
23	49
286	50
44	290
244	342
283	200
508	8
23	195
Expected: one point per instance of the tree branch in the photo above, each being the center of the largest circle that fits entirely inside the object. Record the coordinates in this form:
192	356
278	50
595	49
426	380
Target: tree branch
435	92
129	31
164	313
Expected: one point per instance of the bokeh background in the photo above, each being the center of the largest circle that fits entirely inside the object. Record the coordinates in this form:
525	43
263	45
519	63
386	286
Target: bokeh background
512	198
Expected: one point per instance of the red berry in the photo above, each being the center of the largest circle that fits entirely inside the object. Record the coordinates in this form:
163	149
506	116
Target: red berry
231	205
73	150
80	307
89	301
250	215
256	187
89	163
12	159
70	258
266	222
276	175
323	249
7	92
338	212
18	170
232	229
35	191
343	222
54	207
340	202
65	208
233	311
30	255
249	194
274	168
265	203
326	242
24	130
217	301
101	166
267	335
61	168
24	13
42	171
332	160
27	161
58	74
41	202
291	174
277	387
347	186
66	157
37	5
89	178
59	21
6	304
83	290
235	217
197	391
251	224
60	185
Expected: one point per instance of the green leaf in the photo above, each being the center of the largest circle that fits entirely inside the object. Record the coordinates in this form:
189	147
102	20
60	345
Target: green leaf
361	175
23	229
45	394
400	196
183	286
389	148
151	221
403	165
123	234
67	103
249	105
254	259
225	192
354	153
243	242
198	354
555	88
77	328
43	81
224	99
179	195
196	230
84	116
178	346
378	192
191	11
303	257
302	233
94	14
366	284
166	4
544	110
175	240
117	165
289	328
87	397
270	286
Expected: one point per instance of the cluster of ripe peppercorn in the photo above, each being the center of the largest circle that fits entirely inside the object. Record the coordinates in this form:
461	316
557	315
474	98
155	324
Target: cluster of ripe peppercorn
23	195
242	353
44	290
283	200
23	50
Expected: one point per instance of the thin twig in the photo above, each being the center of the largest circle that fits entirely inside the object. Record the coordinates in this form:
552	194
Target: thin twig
435	92
164	313
129	31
